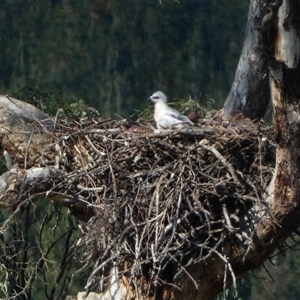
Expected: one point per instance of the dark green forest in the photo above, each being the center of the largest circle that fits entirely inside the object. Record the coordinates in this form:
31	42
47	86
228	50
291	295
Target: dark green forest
113	54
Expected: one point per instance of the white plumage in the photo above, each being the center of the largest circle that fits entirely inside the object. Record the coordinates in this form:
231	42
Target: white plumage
165	116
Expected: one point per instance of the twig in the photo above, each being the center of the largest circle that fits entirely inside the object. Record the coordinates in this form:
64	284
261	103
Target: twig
185	271
230	228
223	161
228	265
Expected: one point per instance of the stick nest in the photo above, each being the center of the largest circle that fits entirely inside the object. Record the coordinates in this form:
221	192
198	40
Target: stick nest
159	203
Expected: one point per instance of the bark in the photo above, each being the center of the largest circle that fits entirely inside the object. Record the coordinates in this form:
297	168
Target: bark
250	91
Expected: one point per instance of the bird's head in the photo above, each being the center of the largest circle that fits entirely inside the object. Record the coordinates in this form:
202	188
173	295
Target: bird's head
158	97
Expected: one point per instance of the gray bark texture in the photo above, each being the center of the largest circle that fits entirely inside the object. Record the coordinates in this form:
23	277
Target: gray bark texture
250	91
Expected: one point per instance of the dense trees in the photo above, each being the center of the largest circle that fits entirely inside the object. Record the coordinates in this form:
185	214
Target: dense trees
114	54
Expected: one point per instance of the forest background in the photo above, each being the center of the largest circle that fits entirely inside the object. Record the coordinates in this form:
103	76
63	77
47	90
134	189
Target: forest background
113	54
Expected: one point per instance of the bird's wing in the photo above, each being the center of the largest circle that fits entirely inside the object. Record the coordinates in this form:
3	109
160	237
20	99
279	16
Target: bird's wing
167	117
177	116
170	119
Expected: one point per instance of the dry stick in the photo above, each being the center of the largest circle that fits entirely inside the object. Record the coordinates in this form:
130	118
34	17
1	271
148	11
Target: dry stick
86	172
136	250
268	272
26	150
150	221
170	284
146	230
206	214
185	271
155	194
260	161
156	223
207	176
50	132
224	281
223	161
85	266
227	219
4	226
12	144
114	181
89	130
250	184
154	247
56	117
204	258
229	266
168	228
176	220
99	267
89	281
173	224
94	147
108	248
82	188
182	132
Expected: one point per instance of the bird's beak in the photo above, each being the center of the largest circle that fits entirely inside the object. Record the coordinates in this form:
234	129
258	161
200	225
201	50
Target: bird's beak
149	99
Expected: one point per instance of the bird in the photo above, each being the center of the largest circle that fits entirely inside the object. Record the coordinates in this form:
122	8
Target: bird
165	116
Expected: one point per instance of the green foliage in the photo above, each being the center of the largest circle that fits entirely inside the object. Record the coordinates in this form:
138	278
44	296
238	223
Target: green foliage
52	99
48	98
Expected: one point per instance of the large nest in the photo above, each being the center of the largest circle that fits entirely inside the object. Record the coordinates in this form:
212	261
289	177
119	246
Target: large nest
162	202
166	201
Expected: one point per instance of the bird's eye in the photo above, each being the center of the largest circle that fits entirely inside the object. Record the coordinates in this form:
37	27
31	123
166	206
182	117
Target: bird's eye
155	97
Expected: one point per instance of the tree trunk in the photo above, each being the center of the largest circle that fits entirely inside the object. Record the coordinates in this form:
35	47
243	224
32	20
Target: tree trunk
250	91
280	34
